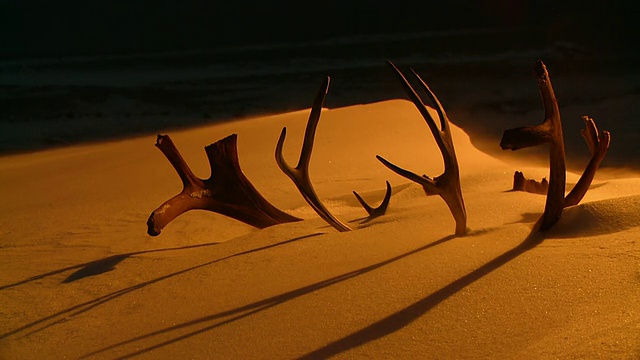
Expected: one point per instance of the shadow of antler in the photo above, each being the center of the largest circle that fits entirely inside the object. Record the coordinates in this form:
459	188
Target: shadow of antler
446	185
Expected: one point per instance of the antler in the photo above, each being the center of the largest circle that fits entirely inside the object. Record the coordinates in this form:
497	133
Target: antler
520	183
447	185
227	191
550	131
300	174
598	144
381	209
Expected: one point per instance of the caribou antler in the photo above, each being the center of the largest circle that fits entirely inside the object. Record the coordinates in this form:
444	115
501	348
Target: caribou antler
300	174
550	131
227	191
447	185
377	211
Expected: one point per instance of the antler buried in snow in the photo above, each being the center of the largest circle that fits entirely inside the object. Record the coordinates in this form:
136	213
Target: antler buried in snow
300	174
446	185
550	131
227	191
377	211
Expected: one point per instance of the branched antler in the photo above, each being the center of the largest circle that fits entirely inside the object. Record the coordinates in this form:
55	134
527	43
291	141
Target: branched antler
550	131
446	185
377	211
227	191
300	174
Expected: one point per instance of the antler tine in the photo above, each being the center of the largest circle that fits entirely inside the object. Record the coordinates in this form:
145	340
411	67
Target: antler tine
590	134
312	124
168	148
425	181
381	209
300	174
444	124
417	101
282	163
180	203
449	161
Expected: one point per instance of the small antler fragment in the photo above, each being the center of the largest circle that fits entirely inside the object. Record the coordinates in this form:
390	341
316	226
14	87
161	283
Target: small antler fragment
227	191
520	183
446	185
381	209
300	174
550	131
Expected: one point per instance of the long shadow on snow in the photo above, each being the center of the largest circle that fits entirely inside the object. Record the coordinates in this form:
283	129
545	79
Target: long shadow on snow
88	305
253	308
406	316
96	267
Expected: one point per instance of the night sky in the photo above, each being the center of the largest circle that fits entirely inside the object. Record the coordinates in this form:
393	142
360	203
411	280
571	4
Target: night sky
34	28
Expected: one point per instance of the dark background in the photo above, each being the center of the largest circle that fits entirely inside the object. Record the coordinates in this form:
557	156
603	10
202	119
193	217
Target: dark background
74	71
33	28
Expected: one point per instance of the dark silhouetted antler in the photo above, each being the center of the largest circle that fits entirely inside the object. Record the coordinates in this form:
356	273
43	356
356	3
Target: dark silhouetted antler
377	211
300	174
598	143
550	131
227	191
446	185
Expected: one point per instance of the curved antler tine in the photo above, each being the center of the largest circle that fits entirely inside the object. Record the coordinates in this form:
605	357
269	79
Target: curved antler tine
282	163
549	101
300	174
428	184
590	134
169	150
308	193
598	145
312	124
417	101
444	124
603	143
381	209
170	210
